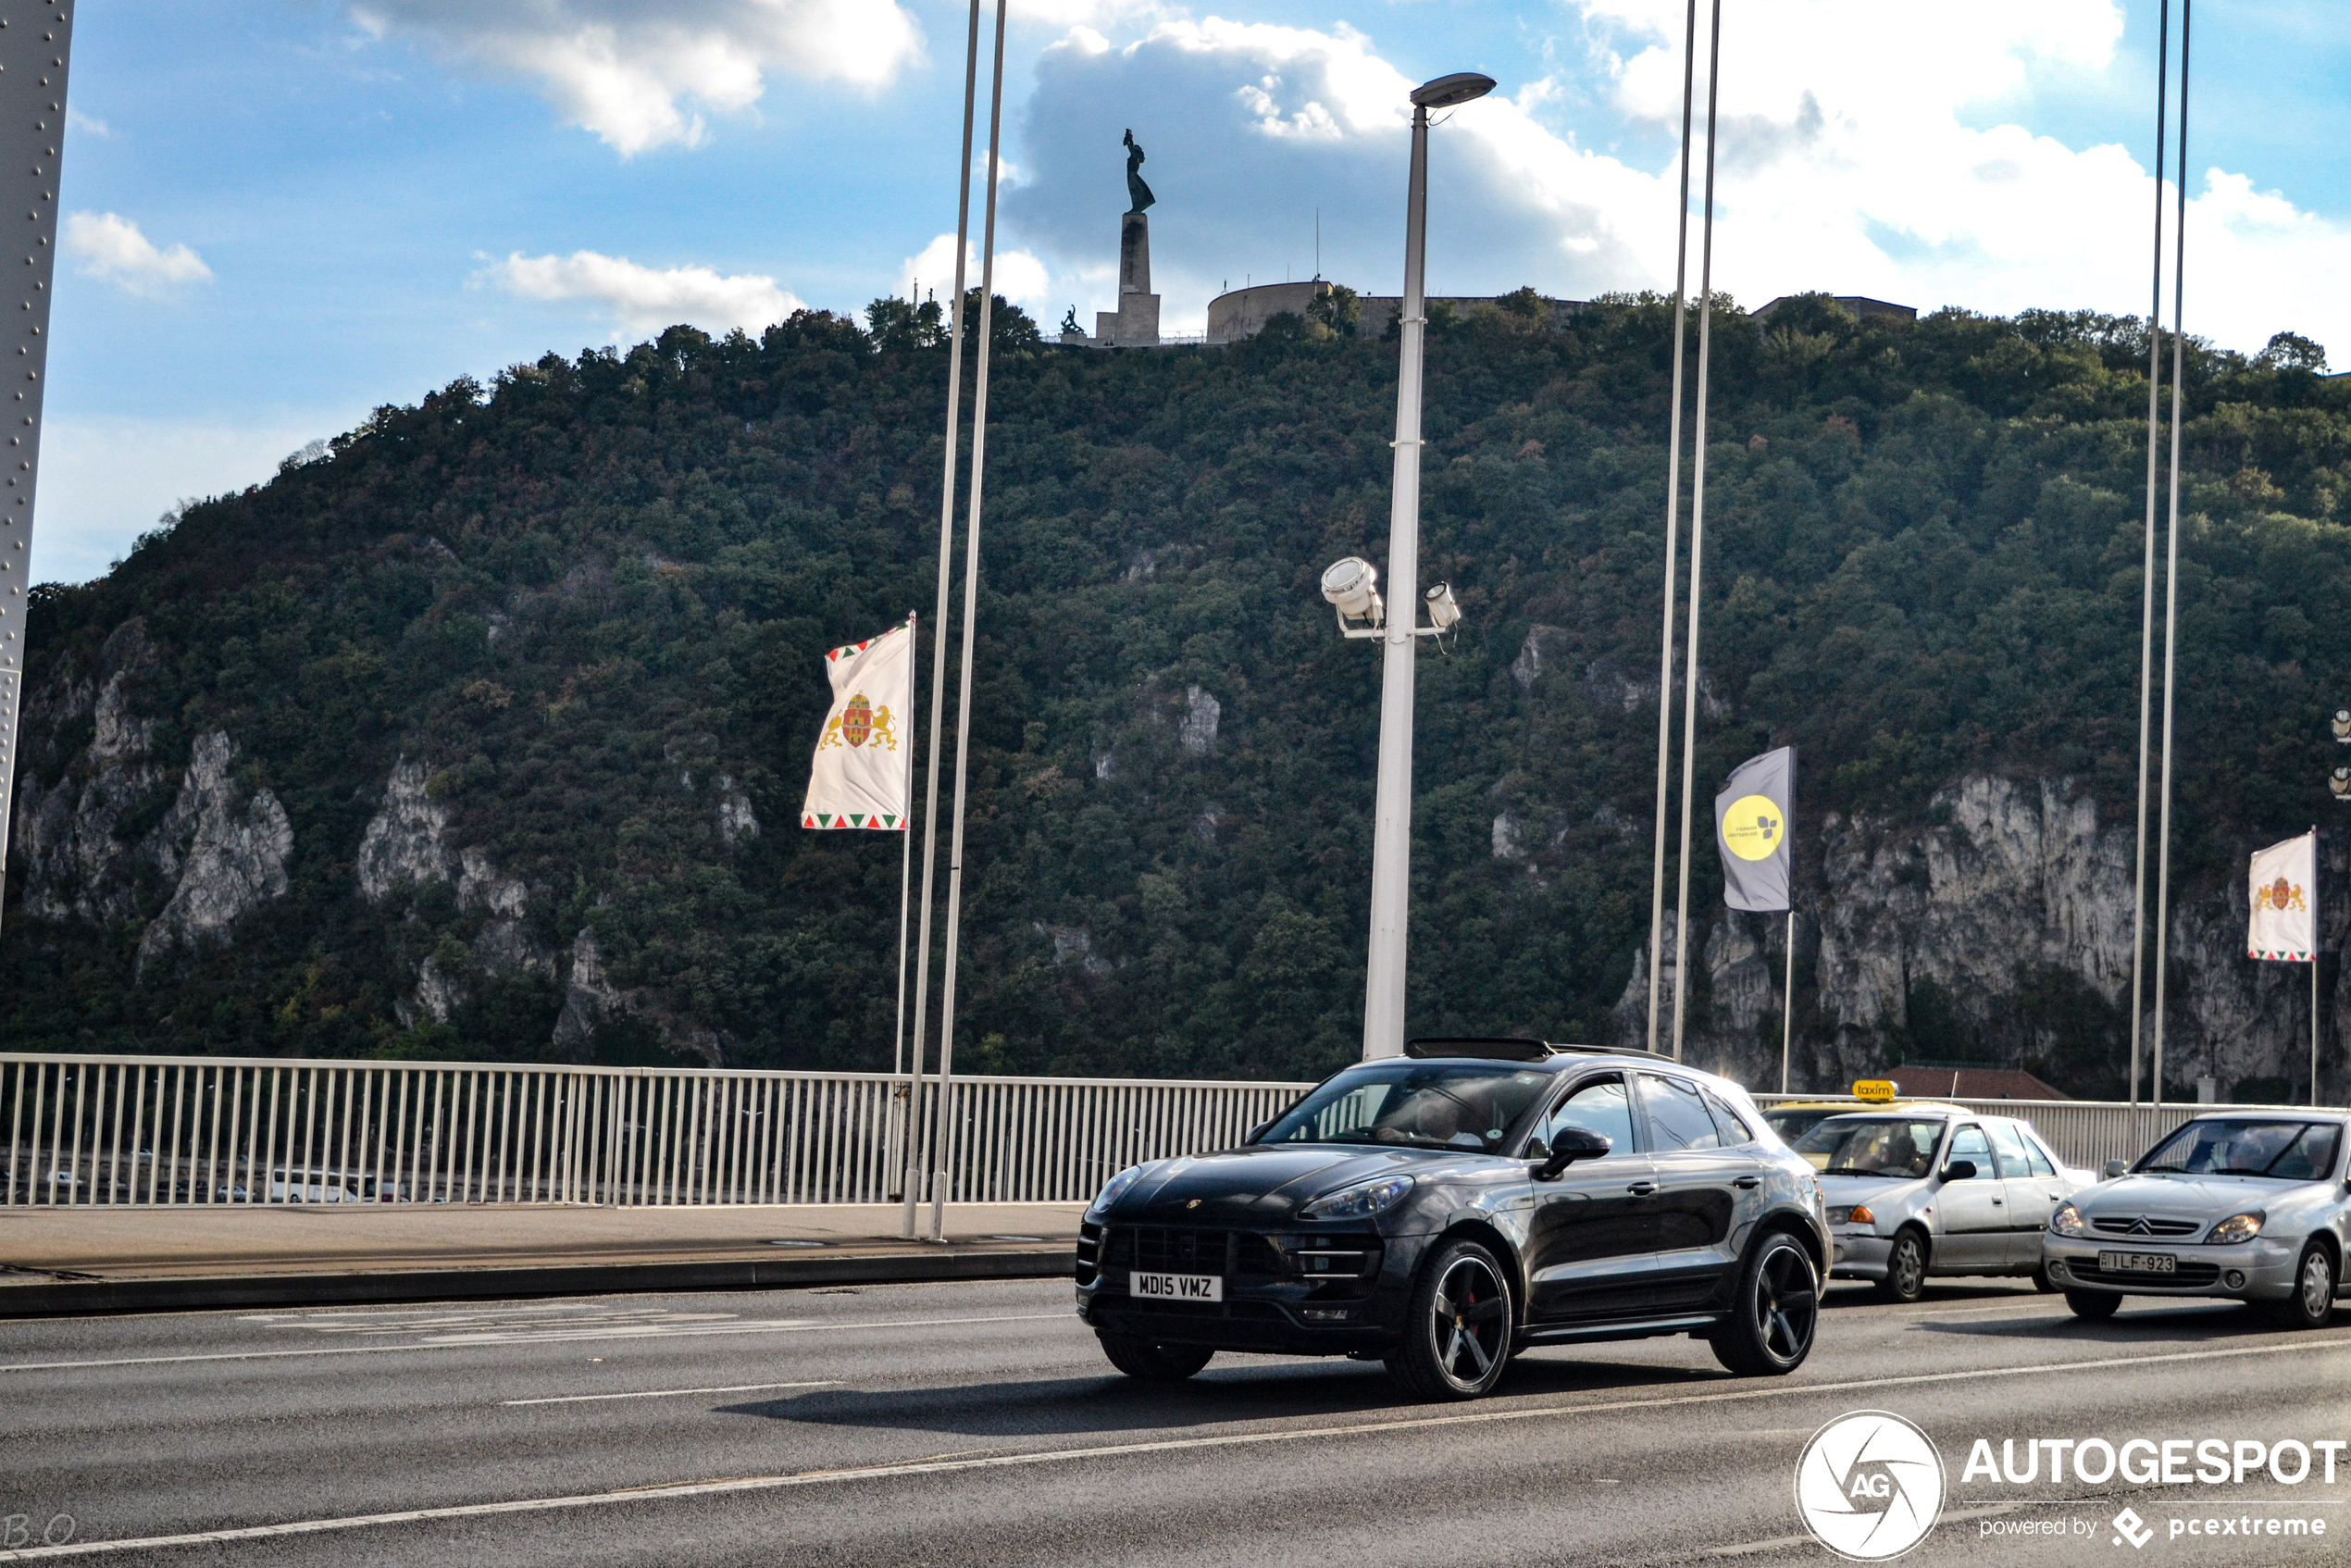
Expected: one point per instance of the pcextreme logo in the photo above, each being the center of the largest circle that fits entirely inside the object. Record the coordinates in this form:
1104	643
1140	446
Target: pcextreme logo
1869	1485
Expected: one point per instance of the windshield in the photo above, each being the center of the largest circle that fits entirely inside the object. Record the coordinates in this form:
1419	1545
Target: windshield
2228	1146
1893	1146
1467	1105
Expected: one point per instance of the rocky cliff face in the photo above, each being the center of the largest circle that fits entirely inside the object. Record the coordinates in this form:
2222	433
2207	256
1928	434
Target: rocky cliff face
2001	932
96	848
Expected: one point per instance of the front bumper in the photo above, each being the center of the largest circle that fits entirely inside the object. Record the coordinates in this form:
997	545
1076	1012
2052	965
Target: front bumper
2261	1270
1858	1254
1267	1307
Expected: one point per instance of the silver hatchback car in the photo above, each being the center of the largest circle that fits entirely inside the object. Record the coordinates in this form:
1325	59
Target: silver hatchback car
1935	1189
2248	1205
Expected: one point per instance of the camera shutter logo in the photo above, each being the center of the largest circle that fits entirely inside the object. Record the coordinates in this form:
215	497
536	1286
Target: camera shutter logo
1869	1485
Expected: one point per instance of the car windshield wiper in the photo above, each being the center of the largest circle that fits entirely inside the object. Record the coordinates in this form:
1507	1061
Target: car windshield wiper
1855	1170
2240	1170
1389	1135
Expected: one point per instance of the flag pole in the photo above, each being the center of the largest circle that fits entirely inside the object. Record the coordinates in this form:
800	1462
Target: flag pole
2314	965
1787	1018
2147	572
2171	570
939	636
938	1130
1673	532
905	889
1698	543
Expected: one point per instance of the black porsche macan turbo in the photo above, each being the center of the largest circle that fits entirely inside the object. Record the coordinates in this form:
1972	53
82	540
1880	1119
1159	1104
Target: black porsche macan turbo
1442	1209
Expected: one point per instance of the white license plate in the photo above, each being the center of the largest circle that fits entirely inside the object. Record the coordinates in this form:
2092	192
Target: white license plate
1176	1287
2138	1263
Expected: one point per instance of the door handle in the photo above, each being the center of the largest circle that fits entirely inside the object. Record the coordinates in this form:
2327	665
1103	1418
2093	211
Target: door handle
1642	1188
1747	1181
1997	1204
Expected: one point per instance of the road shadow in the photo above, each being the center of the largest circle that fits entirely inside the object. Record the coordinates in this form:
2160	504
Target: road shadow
1231	1390
1848	1295
2174	1322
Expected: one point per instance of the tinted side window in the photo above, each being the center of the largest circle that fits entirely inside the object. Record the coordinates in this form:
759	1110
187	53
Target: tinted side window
1598	1105
1968	1144
2010	1145
1732	1126
1677	1115
2038	1158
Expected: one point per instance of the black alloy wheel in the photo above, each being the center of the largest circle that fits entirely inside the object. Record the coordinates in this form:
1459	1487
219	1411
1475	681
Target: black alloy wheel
1153	1364
1905	1269
1457	1335
2312	1302
1774	1312
2093	1304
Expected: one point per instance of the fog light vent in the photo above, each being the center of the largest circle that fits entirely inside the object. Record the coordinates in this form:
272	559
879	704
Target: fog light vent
2057	1270
2234	1279
1327	1315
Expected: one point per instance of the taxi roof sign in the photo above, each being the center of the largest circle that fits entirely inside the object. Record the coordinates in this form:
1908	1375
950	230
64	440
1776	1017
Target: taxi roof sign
1876	1091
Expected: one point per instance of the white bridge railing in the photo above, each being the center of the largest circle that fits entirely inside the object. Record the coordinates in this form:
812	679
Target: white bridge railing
150	1131
166	1131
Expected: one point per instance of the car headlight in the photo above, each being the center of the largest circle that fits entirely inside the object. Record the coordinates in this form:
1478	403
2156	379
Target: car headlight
1360	1201
2236	1229
1112	1191
2067	1221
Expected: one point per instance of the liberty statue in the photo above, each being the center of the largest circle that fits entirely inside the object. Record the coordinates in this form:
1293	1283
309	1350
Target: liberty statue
1137	191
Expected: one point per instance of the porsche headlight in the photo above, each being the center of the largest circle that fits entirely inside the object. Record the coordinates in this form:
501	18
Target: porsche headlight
2236	1229
1111	1189
1360	1201
2067	1221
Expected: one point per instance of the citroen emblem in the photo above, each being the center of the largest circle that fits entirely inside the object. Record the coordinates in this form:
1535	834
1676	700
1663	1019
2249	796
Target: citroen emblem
1193	1204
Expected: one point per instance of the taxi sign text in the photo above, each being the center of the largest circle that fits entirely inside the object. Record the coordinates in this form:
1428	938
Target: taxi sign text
1874	1089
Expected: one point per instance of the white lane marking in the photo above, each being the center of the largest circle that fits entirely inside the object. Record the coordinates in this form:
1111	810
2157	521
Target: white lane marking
671	1393
659	1491
779	1326
503	1320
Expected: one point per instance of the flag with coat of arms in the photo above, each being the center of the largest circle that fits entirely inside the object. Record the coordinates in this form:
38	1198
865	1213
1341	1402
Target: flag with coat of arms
862	776
2284	926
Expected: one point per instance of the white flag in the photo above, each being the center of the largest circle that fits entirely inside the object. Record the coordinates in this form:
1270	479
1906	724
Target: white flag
2285	902
861	777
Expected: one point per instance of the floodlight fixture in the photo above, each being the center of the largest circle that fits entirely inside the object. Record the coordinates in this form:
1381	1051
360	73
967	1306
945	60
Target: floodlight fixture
1443	611
1351	587
2342	725
2340	782
1447	91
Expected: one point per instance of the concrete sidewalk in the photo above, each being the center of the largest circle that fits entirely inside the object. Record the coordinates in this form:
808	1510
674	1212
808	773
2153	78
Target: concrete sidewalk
55	1260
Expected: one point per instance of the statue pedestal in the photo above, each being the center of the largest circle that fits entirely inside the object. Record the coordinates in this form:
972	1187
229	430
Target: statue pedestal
1135	324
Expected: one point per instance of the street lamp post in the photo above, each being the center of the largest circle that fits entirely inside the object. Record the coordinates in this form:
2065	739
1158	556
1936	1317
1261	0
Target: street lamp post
1392	814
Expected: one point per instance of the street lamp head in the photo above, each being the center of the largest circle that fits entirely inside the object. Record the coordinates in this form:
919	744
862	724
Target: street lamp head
1444	612
1447	91
1352	588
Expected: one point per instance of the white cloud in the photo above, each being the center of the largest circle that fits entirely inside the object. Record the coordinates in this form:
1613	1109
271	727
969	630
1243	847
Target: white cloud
112	247
1840	173
77	120
104	482
1020	277
645	299
643	76
1865	149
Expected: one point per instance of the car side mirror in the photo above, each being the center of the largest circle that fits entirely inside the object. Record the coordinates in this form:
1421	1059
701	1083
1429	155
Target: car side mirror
1959	1170
2117	1167
1573	1144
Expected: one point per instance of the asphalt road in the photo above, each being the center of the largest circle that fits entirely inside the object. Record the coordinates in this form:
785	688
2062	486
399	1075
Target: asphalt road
979	1425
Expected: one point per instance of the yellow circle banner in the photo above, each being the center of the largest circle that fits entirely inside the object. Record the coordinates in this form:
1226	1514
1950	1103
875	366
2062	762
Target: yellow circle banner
1754	827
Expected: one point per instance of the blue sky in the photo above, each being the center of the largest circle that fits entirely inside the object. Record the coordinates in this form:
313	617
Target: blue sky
284	212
